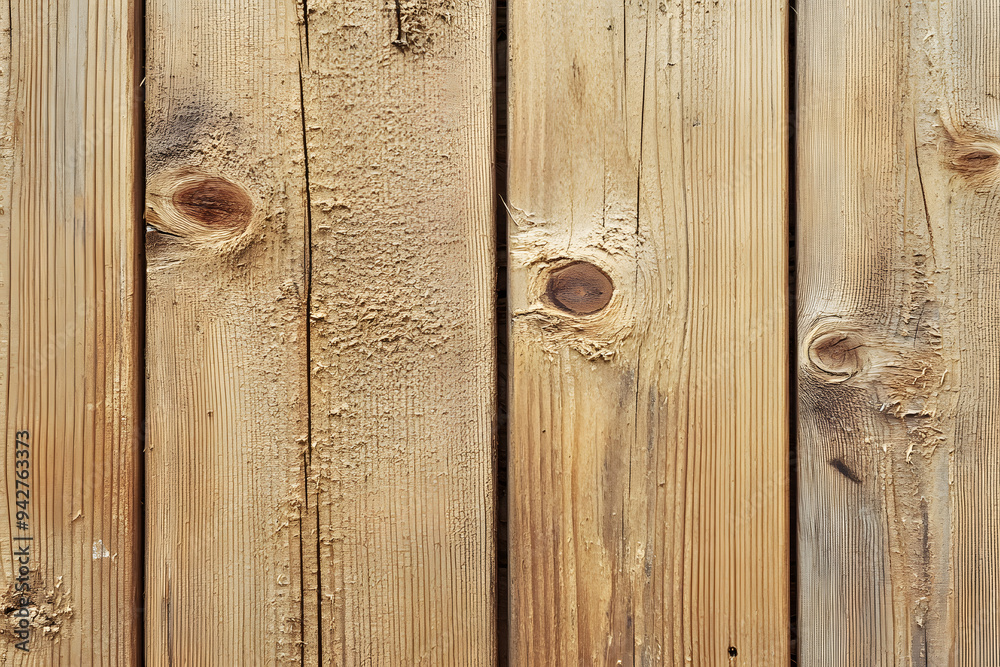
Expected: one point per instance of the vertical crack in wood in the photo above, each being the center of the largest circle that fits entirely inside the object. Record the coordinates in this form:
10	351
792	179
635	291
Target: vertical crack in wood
307	453
400	40
305	30
170	625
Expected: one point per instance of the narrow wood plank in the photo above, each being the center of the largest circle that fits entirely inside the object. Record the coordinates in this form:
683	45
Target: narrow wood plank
70	338
898	159
398	110
649	432
229	530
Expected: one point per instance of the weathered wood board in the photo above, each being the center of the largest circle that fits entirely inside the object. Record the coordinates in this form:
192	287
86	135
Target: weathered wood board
69	340
231	538
398	104
898	154
649	405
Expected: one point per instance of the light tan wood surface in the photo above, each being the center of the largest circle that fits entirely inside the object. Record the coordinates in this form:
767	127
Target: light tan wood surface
898	170
231	537
69	340
398	103
649	439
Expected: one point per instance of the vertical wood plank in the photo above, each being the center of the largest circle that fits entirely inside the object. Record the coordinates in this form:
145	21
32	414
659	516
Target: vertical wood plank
70	338
898	160
399	124
649	431
229	529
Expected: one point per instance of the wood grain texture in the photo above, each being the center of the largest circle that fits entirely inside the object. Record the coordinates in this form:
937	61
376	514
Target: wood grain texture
229	531
398	110
898	149
70	337
648	463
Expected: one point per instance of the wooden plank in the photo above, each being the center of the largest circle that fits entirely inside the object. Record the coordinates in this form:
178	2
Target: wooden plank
898	155
230	533
70	337
649	431
398	110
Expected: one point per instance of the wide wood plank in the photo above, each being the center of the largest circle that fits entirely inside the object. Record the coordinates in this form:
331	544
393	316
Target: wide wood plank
649	402
898	159
398	110
69	335
229	531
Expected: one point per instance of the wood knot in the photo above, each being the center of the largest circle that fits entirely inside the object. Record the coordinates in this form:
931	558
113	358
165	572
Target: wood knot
580	288
214	202
837	354
200	207
974	157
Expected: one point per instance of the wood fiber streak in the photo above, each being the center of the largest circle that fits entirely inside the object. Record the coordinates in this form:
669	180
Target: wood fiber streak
231	537
899	141
68	328
398	107
649	440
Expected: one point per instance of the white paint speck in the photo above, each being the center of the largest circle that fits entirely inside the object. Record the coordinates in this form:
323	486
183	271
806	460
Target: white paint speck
100	551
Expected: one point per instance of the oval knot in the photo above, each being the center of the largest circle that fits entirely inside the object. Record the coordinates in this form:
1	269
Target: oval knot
580	288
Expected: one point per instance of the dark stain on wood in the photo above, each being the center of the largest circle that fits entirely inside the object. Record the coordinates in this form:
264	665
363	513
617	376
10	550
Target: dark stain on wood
178	136
845	470
579	288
